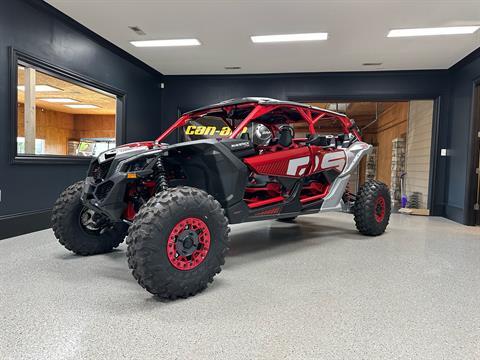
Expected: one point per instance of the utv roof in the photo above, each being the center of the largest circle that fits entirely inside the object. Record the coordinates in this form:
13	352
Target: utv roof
261	101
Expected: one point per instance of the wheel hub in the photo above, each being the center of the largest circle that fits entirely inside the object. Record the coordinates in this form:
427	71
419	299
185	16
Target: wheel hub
380	209
90	220
188	243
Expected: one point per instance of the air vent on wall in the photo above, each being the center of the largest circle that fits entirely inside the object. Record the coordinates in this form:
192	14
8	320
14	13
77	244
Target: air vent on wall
137	30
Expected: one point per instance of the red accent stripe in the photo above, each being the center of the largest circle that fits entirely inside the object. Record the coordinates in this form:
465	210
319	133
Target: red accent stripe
265	202
312	198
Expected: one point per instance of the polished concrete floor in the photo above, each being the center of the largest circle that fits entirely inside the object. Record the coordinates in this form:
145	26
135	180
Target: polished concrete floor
314	290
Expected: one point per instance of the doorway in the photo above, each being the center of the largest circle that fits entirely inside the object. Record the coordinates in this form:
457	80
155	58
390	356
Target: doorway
401	134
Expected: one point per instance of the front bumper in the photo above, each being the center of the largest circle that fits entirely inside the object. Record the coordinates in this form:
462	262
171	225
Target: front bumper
106	197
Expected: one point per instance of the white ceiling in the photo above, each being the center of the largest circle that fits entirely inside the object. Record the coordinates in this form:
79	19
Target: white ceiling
357	33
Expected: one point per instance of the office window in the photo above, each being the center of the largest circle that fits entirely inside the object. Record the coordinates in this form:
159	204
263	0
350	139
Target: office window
58	117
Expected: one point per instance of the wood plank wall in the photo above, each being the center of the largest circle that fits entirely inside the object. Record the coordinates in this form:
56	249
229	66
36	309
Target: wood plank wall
58	127
392	123
98	126
418	149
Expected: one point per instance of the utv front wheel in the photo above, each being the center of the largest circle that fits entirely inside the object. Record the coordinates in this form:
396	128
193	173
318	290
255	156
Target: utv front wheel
372	208
177	242
82	230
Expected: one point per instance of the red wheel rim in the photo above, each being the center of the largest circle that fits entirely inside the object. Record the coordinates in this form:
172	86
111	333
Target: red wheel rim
379	209
188	243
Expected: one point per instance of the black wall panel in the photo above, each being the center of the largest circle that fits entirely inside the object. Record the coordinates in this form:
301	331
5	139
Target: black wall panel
460	171
43	32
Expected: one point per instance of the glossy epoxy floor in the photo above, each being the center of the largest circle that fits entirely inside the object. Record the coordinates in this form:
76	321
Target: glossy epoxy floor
312	290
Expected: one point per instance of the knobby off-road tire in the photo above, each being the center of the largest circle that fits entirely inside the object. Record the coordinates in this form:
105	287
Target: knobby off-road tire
70	233
372	208
165	223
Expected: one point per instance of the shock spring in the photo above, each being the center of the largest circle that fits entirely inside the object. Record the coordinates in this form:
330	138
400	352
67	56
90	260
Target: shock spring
160	176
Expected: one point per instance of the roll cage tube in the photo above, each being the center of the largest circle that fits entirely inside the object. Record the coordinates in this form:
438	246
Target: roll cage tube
309	115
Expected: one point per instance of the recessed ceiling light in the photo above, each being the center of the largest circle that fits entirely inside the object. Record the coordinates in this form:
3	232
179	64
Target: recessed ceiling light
59	100
289	37
451	30
170	42
372	64
83	106
232	67
40	88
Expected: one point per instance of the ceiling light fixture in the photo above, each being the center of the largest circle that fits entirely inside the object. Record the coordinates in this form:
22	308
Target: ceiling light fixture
40	88
170	42
83	106
289	37
451	30
59	100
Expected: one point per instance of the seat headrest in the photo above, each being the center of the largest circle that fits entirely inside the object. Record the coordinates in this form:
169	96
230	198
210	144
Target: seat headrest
286	135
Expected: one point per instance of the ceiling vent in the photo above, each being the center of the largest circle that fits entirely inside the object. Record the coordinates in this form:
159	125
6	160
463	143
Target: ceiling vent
137	30
372	64
232	67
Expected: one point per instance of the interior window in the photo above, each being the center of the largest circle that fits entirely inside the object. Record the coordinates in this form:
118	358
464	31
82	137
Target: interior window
59	117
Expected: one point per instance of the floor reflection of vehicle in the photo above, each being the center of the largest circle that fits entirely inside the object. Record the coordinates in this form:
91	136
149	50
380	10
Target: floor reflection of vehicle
94	146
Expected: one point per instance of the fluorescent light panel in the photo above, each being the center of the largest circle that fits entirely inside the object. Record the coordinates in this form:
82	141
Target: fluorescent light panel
59	100
83	106
289	37
40	88
168	42
451	30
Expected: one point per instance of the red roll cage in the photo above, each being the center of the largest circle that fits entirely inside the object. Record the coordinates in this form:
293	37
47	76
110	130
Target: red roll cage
261	106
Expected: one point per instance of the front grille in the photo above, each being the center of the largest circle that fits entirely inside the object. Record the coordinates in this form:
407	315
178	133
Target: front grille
99	171
103	190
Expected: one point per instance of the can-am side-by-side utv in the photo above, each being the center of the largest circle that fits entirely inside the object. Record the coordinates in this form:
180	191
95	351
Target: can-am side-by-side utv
236	161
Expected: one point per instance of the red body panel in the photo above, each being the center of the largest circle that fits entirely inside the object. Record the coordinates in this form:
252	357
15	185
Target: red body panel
297	162
280	163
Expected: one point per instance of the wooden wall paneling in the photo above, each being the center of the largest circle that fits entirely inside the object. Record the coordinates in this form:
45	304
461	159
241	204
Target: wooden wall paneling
54	127
418	149
392	123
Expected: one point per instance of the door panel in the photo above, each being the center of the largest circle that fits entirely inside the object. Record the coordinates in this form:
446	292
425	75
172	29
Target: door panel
293	163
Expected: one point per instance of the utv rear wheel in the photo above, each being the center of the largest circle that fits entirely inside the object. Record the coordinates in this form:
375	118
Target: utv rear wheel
372	208
82	230
177	242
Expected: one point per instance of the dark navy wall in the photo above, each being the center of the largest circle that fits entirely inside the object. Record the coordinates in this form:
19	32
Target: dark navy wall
187	92
460	172
40	30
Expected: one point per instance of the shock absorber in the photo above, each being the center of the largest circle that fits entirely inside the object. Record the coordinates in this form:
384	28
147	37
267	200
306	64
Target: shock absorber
160	176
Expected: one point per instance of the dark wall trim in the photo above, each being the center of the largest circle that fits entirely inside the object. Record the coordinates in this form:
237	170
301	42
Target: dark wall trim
23	223
474	55
472	156
455	213
43	6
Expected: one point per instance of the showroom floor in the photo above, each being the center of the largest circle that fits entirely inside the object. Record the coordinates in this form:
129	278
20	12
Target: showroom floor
313	290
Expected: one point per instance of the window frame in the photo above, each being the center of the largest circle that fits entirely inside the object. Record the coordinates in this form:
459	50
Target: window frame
17	58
